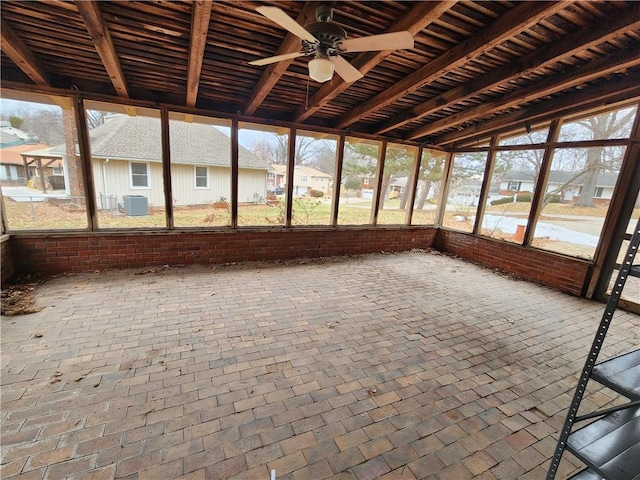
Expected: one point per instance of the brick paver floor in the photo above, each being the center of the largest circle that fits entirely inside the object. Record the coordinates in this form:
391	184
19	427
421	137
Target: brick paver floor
402	366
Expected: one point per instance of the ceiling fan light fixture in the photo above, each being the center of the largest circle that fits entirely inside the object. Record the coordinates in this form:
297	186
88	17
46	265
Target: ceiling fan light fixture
321	69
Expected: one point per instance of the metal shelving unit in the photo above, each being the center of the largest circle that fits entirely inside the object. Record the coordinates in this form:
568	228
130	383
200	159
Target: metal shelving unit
610	445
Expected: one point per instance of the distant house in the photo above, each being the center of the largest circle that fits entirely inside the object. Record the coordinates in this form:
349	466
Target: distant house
570	187
305	179
126	158
16	169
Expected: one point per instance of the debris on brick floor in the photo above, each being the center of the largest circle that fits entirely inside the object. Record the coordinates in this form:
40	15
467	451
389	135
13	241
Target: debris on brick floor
19	300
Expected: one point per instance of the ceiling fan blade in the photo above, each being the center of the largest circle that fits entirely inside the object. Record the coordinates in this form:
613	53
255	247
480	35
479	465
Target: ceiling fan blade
348	72
277	58
376	43
278	16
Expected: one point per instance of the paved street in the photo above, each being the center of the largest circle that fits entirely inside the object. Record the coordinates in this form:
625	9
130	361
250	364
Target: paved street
400	366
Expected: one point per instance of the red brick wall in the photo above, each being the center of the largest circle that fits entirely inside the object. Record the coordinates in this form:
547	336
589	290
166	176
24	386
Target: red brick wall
6	259
57	253
566	274
66	252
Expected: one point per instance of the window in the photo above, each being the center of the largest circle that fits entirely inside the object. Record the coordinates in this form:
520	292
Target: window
464	190
315	156
261	149
202	177
508	202
514	186
139	175
572	189
430	179
358	181
126	161
200	170
397	180
48	122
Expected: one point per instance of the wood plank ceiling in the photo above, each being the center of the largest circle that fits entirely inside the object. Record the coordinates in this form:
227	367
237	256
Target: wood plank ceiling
477	67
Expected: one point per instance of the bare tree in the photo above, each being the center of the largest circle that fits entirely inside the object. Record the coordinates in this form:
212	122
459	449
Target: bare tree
95	118
603	126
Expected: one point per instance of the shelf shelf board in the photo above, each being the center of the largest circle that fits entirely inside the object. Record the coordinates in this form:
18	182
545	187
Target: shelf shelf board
621	374
587	474
610	446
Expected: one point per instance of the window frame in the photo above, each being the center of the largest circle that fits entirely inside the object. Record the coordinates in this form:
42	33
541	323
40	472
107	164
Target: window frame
147	176
196	177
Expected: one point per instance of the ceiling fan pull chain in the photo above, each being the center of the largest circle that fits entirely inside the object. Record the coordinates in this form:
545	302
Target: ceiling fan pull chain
306	105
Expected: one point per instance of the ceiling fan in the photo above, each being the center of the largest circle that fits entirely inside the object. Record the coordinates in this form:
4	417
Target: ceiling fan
325	40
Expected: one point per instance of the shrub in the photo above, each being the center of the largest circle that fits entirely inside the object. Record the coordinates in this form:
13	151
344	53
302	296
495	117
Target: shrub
526	198
316	193
519	198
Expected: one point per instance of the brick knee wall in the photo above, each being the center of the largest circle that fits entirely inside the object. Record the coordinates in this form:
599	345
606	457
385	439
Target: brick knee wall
72	252
58	253
6	259
567	274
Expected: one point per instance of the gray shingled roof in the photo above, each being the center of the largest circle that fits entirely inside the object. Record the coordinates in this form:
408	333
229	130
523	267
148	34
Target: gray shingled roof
560	177
138	138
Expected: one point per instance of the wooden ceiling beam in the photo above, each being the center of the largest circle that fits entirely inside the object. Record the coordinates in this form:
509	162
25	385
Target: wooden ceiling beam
590	97
415	20
21	55
573	77
521	17
99	32
200	19
273	72
546	55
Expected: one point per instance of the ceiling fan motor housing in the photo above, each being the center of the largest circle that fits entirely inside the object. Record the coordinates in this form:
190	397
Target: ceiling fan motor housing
329	34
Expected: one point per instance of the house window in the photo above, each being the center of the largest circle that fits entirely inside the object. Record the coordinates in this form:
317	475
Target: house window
139	175
57	171
514	186
271	175
202	177
304	178
598	193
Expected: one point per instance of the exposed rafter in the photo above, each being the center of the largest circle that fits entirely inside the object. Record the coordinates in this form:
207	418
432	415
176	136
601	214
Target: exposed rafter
97	28
606	93
21	55
584	38
571	78
199	27
521	17
273	72
413	21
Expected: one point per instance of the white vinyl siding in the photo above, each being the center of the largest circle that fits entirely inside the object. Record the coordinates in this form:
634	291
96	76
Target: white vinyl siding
118	181
250	182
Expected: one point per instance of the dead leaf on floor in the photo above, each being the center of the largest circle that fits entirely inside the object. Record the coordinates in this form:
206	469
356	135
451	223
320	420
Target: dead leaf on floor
372	391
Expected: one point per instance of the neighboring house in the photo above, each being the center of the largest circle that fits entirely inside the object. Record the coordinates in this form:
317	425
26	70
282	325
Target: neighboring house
126	158
276	178
466	194
397	186
524	181
305	179
14	168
